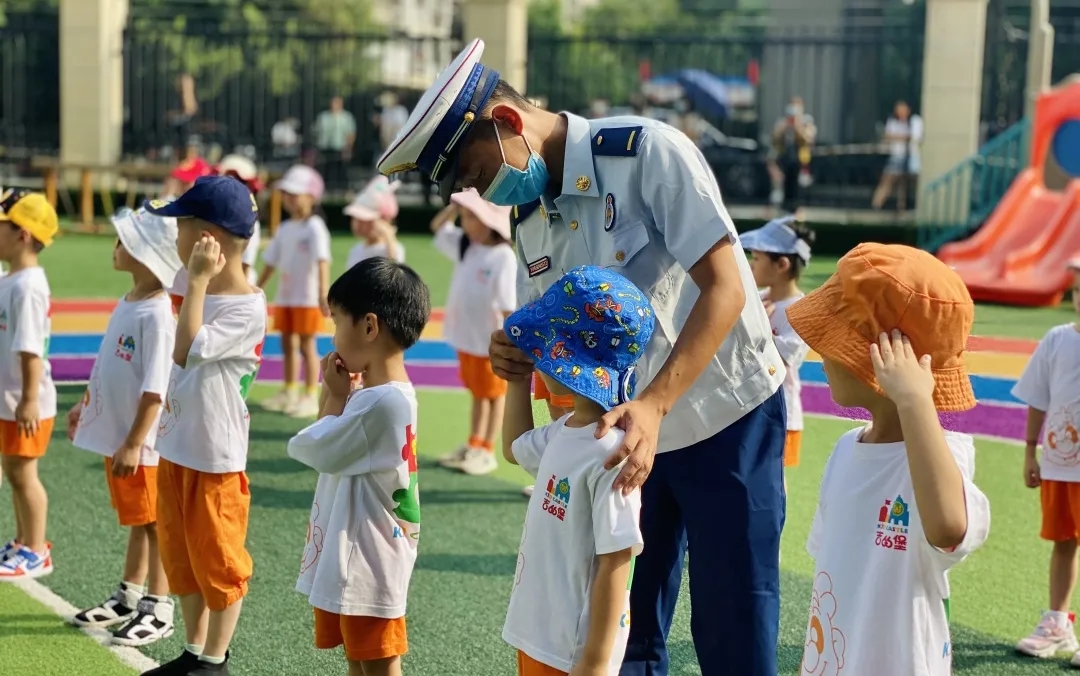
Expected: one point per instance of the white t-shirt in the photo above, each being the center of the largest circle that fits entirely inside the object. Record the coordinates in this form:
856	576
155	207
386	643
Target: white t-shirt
204	421
482	291
793	351
363	251
365	519
574	515
249	258
875	570
295	251
912	129
135	357
25	327
1051	383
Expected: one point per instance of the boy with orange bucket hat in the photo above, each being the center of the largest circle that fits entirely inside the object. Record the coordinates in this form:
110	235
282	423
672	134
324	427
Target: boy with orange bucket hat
898	507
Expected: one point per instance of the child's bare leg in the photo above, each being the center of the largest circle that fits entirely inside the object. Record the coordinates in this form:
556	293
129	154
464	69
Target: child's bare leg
1062	574
390	666
17	511
156	582
137	559
481	412
196	619
31	501
495	417
220	630
288	356
311	362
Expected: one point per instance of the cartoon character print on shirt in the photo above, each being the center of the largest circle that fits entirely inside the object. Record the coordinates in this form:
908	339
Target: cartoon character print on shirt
315	537
170	410
521	556
823	654
1062	441
92	402
408	499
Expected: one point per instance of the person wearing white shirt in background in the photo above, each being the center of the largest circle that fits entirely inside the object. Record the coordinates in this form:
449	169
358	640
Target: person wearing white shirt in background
300	250
372	216
904	134
118	418
244	170
898	506
779	252
365	518
1050	386
482	293
570	605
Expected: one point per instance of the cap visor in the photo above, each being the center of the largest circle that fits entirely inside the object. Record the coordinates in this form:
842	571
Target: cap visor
291	187
361	213
586	383
170	209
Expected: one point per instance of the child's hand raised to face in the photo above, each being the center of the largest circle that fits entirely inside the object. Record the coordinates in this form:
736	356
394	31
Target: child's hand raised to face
904	377
206	259
336	378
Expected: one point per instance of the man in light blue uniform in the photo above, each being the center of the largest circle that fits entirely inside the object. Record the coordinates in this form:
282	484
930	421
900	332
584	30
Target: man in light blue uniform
635	195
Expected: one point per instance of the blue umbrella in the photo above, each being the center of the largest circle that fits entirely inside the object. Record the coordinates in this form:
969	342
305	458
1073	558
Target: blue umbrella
707	92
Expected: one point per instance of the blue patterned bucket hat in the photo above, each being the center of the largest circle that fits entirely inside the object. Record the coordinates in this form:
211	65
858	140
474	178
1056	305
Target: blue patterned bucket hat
587	332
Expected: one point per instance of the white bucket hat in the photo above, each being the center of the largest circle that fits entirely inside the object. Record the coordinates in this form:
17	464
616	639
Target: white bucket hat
151	240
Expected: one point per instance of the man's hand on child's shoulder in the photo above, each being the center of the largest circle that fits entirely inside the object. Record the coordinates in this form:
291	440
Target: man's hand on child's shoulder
336	378
206	259
904	377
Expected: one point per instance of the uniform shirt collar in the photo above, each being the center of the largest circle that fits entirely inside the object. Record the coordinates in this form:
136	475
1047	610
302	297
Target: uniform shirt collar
578	168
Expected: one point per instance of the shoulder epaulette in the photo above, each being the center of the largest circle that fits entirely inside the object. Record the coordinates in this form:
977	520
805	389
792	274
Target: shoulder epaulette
520	213
617	142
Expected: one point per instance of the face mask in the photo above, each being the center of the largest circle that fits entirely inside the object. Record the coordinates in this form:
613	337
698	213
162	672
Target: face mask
511	186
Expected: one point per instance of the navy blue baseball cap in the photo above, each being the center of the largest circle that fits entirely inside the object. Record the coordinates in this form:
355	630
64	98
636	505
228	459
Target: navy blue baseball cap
221	200
587	332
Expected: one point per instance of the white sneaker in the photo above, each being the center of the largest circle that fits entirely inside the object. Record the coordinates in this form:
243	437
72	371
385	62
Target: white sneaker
479	462
26	564
153	622
118	608
306	406
1049	638
527	491
453	460
281	401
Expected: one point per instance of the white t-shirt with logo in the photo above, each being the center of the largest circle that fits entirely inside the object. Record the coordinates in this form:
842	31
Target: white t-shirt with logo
204	420
295	252
574	515
793	351
249	258
365	518
363	251
1051	383
25	327
135	357
880	603
482	291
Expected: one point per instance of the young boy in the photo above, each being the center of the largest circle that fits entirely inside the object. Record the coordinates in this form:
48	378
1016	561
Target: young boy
1050	386
203	495
118	418
580	535
897	508
28	406
366	514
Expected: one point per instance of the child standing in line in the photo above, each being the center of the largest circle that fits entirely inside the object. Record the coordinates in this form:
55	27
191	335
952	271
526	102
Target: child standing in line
28	224
366	511
118	418
580	535
1050	386
301	250
179	182
203	492
898	507
482	294
373	213
779	252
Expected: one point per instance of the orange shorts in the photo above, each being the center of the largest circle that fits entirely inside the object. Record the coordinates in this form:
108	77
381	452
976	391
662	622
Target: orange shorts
303	321
478	378
12	442
1060	510
364	638
202	526
791	448
527	666
134	497
540	392
177	301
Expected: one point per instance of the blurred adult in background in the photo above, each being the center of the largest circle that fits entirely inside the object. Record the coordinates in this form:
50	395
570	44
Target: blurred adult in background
792	140
285	135
904	134
335	134
391	117
179	118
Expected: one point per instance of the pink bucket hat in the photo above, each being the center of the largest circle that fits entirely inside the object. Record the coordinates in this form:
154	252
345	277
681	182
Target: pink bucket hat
301	179
495	217
376	200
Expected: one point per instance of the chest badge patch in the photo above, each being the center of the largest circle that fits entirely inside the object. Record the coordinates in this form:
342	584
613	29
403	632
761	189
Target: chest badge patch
609	212
539	266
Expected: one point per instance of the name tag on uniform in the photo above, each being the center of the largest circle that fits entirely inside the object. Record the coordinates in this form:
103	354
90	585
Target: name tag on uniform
540	266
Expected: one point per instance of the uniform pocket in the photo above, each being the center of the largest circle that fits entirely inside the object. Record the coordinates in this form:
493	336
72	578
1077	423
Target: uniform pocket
626	242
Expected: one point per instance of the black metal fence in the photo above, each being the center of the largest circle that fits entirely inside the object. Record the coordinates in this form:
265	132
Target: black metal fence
29	84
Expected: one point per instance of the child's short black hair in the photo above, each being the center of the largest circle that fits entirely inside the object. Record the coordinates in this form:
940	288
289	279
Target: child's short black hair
391	291
805	234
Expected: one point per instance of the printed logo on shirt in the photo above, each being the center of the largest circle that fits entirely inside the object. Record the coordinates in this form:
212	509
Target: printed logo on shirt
170	410
539	266
1062	445
315	537
823	654
624	621
247	380
557	497
408	499
3	320
125	347
892	527
609	212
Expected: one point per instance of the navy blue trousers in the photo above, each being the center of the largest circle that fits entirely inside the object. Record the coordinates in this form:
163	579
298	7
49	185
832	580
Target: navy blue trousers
723	499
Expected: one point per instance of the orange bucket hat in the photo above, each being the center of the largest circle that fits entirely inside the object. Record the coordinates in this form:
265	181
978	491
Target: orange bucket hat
881	287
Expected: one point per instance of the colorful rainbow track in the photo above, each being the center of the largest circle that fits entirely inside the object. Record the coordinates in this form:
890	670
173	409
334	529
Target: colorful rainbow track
995	364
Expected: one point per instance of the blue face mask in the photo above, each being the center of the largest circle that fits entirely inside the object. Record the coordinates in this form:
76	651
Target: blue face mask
513	187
